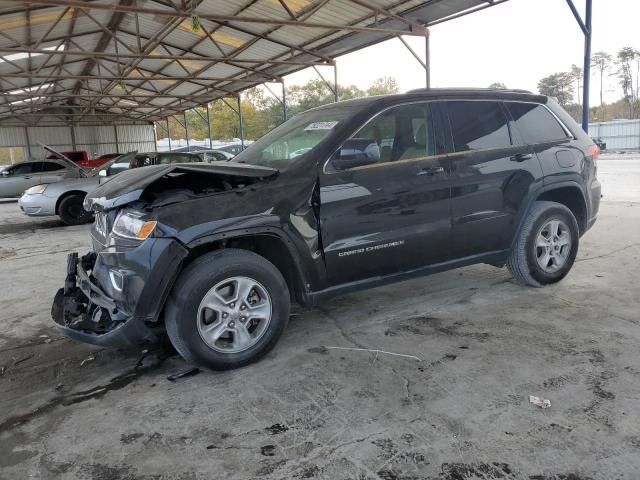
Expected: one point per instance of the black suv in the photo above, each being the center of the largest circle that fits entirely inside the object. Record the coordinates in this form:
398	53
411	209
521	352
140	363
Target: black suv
340	198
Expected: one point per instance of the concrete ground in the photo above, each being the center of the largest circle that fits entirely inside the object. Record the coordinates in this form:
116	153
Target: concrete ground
454	407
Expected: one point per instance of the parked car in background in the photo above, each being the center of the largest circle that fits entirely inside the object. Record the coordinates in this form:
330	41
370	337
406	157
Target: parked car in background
81	158
340	198
154	158
234	149
600	143
65	198
17	178
215	155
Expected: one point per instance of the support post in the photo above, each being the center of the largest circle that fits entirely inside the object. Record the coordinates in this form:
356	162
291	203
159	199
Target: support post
155	135
186	130
335	82
73	137
169	133
586	82
285	114
209	126
26	136
427	57
585	26
241	122
115	136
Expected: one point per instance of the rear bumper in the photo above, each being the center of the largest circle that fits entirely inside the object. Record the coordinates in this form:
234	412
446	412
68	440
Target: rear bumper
595	196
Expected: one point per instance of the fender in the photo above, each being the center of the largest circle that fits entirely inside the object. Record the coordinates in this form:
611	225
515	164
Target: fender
300	265
535	194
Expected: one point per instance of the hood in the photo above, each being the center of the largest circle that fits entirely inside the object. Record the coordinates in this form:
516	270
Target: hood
128	186
63	158
125	158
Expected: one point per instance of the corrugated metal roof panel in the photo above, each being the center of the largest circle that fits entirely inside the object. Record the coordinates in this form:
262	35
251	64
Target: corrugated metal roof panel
144	37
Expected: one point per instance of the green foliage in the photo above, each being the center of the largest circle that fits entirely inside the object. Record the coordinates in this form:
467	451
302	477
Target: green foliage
498	85
557	85
261	112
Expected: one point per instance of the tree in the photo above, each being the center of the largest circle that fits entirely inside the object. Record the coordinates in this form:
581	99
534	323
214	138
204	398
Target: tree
557	85
628	62
498	85
383	86
576	75
602	62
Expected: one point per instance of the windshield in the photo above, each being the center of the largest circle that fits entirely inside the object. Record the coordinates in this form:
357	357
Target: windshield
296	137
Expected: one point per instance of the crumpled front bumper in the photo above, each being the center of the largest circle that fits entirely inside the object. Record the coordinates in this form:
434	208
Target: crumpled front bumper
83	311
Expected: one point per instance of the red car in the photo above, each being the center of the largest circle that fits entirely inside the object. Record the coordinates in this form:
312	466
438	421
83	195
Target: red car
81	157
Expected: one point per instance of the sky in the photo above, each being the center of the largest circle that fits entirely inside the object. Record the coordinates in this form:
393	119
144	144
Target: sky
516	43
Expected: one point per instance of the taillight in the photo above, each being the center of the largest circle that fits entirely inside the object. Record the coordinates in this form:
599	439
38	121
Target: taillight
594	150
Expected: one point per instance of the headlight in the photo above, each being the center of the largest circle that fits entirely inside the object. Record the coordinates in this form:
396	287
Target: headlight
37	189
129	225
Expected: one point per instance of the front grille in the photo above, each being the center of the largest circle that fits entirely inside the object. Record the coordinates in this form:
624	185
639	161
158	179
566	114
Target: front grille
101	224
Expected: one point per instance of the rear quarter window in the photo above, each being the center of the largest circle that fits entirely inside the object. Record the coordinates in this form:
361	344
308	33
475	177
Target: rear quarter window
535	123
477	125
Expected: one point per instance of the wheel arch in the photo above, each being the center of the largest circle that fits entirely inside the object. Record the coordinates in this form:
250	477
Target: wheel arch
68	194
571	196
269	243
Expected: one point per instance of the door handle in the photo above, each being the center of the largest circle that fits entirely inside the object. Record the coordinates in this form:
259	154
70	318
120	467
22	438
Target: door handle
27	177
521	157
430	171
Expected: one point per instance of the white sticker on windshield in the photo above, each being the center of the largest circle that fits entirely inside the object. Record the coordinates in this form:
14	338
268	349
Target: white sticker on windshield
321	125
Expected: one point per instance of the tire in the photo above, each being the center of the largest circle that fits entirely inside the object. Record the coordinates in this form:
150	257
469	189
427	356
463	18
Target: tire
527	257
72	212
194	315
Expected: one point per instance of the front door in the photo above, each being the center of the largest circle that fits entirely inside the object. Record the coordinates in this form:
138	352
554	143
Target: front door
17	179
384	197
492	174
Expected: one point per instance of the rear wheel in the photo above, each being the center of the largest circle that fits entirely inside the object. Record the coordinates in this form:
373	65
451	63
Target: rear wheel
227	309
546	246
72	212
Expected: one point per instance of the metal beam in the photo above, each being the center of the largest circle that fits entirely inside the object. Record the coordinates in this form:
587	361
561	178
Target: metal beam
155	56
241	121
215	18
132	78
209	126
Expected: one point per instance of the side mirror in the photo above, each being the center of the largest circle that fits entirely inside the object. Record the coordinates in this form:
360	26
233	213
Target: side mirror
357	152
103	173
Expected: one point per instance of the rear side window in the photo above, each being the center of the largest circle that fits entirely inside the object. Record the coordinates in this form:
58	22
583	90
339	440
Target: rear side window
477	125
51	167
535	123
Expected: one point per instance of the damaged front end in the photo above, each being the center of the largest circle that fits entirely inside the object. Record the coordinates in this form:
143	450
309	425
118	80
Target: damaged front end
83	311
115	294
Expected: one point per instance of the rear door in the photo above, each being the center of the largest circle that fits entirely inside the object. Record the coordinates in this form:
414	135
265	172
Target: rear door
492	174
52	172
392	214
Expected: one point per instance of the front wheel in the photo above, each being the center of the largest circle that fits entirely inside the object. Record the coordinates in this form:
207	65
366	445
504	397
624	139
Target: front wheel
546	246
227	309
72	212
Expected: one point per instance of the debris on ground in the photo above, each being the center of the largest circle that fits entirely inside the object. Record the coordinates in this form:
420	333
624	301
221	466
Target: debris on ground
90	358
59	386
186	373
539	401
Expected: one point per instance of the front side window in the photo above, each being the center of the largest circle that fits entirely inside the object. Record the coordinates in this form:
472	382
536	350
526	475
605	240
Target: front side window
535	123
477	125
405	132
24	169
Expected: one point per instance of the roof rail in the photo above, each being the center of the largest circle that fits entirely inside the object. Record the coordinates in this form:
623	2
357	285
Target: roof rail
511	90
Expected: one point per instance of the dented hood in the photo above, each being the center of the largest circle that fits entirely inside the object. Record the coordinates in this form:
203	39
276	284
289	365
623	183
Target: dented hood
128	186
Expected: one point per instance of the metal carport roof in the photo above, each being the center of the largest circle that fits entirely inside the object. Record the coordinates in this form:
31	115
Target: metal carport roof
144	60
